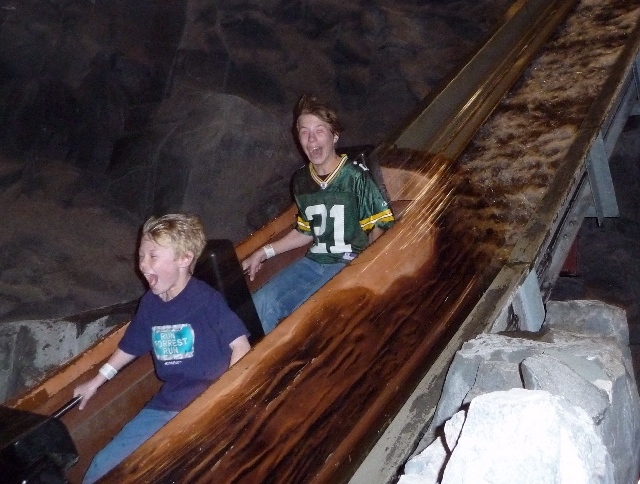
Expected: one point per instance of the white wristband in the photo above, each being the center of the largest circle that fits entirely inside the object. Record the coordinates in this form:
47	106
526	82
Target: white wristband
108	371
268	249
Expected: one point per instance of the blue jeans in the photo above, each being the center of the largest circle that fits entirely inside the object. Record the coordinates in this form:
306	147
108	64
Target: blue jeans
139	429
289	288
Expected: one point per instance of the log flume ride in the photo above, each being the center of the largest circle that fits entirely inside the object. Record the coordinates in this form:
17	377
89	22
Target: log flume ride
481	177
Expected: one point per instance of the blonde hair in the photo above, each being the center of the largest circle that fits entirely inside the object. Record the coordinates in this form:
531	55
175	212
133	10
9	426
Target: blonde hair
184	232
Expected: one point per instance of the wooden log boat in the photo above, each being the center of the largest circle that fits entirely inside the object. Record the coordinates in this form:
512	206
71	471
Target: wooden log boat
310	399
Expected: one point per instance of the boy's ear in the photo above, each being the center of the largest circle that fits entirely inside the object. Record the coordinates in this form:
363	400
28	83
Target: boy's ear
186	259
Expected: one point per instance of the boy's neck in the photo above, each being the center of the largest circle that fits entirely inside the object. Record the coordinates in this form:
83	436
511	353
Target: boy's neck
176	289
328	167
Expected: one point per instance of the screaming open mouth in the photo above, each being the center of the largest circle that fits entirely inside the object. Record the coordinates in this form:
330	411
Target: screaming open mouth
152	279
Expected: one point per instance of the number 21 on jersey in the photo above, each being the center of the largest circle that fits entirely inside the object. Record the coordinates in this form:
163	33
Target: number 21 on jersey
322	232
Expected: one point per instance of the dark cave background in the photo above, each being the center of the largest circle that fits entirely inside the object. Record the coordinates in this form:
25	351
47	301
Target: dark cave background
112	110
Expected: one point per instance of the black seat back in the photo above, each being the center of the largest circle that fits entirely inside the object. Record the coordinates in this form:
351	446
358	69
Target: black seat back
219	267
34	448
366	155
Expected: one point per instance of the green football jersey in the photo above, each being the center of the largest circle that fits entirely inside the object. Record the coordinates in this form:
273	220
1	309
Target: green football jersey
339	211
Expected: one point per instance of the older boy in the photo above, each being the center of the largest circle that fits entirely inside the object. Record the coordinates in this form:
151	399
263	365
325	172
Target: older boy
340	209
187	326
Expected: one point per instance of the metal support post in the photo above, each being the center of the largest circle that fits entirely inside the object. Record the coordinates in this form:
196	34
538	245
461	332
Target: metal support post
527	304
604	196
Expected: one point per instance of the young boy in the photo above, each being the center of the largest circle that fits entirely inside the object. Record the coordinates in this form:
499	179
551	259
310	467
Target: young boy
187	326
340	210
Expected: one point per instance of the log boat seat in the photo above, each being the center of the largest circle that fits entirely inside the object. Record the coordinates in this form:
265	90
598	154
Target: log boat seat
219	267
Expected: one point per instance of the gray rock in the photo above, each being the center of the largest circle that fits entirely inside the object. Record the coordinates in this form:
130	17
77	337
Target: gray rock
31	349
588	317
228	157
60	259
493	376
543	372
486	352
600	361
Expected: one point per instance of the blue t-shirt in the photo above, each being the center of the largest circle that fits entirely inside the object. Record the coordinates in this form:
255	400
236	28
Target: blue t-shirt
188	338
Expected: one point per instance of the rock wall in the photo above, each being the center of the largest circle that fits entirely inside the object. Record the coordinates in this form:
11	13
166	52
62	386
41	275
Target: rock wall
75	75
221	144
186	105
31	349
559	405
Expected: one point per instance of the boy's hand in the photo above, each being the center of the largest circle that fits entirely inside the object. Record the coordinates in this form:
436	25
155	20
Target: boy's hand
253	263
117	361
292	240
88	389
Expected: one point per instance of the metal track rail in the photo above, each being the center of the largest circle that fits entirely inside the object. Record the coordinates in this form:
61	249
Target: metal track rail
448	118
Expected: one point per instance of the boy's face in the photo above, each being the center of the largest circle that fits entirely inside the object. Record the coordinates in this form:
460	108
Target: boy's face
318	142
165	273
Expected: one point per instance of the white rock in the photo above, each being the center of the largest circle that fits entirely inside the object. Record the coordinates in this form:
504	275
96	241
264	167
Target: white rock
428	464
528	437
452	429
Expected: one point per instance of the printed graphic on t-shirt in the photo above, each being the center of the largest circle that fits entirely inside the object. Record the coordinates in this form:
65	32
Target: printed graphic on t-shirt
172	342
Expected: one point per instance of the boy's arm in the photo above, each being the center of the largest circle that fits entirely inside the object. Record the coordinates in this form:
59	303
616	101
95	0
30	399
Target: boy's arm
375	233
117	361
239	347
292	240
